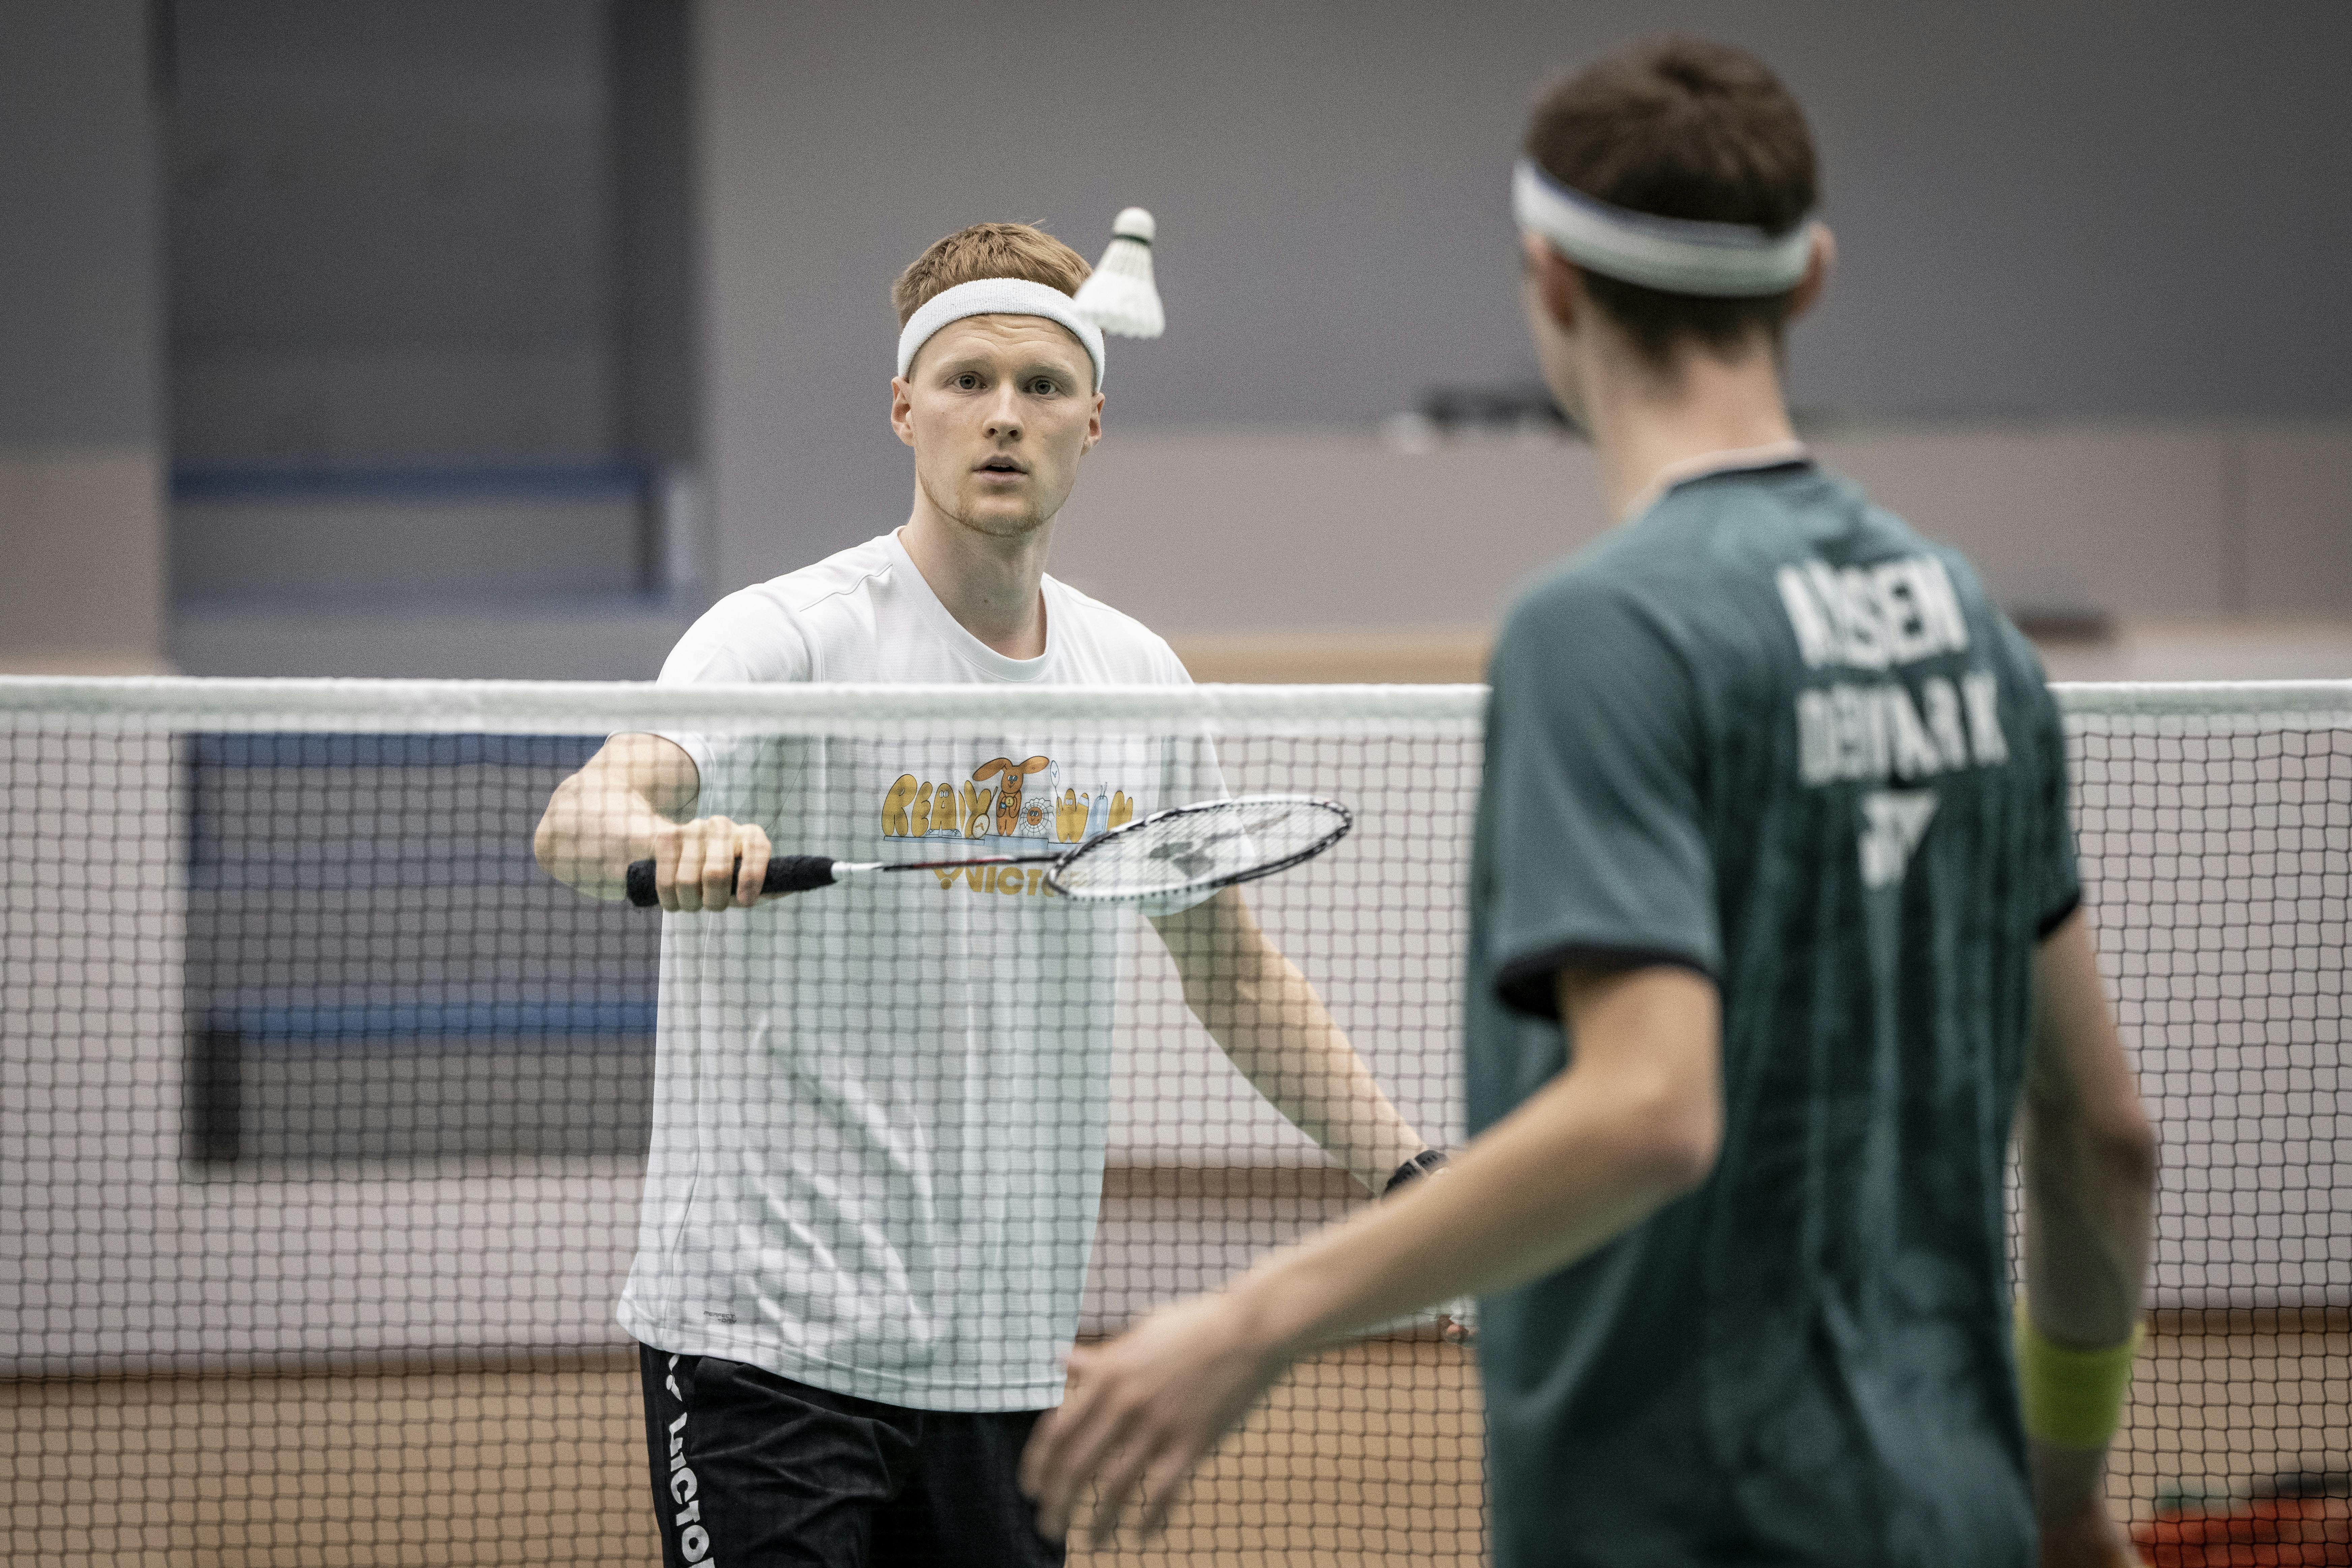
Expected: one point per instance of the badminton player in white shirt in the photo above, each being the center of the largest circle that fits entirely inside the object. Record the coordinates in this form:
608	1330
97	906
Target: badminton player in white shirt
878	1129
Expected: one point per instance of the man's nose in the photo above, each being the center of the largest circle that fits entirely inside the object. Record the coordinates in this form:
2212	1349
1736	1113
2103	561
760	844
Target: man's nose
1004	415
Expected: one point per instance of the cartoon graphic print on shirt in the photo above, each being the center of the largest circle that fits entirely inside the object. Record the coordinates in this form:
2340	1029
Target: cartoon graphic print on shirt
1004	799
1017	818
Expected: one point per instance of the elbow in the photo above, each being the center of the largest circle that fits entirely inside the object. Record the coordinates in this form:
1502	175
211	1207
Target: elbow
1682	1164
2127	1153
1673	1143
2115	1151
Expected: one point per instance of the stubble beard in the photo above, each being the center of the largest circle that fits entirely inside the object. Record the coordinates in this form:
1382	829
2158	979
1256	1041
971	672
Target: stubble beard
991	525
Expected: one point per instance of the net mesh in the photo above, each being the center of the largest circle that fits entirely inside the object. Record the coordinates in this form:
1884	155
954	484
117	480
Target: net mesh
325	1112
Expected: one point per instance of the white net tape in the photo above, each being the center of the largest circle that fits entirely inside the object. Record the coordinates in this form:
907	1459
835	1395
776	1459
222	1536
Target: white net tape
574	708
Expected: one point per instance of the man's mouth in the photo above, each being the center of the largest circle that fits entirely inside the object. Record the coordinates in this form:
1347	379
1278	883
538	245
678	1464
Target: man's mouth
1002	466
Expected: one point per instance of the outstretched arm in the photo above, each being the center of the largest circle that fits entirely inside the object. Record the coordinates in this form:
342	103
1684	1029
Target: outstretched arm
630	803
2088	1158
1264	1015
1634	1122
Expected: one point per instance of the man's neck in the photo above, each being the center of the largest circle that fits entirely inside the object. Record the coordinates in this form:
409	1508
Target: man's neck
1648	426
989	583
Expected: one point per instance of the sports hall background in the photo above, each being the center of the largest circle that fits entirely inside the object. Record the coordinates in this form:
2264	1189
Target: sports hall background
496	338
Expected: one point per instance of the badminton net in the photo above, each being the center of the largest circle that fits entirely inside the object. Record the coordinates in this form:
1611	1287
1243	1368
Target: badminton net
324	1110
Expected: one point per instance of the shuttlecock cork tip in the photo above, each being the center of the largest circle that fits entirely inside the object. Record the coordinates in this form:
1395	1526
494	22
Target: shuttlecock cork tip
1134	222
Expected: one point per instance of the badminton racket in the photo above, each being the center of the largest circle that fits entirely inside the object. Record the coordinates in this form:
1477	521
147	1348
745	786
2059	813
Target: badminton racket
1185	850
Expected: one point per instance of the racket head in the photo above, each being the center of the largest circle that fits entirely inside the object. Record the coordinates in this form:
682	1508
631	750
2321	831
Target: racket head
1196	849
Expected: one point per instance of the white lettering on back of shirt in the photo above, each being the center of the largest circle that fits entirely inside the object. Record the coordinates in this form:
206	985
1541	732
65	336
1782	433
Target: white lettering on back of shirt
1872	731
1894	821
1874	618
1991	747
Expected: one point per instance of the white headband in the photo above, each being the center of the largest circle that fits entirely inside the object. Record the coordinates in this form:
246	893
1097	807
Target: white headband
1727	260
999	297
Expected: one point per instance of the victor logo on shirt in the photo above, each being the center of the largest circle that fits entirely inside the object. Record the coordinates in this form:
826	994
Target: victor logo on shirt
1003	799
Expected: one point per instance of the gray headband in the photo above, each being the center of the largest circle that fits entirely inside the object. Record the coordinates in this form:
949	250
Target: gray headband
1727	260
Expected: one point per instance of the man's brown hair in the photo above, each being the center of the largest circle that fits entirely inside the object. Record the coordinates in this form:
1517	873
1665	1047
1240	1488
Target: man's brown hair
987	250
1681	128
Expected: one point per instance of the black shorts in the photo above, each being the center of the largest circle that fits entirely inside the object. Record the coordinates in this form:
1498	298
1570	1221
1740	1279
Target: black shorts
752	1470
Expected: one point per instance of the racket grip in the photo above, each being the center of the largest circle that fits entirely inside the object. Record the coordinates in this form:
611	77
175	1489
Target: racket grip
786	874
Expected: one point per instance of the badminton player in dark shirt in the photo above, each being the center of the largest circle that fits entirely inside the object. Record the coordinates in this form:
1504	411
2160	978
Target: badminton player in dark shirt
1774	944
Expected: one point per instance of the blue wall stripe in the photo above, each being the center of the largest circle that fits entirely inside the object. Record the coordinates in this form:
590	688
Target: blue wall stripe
528	481
332	1023
296	750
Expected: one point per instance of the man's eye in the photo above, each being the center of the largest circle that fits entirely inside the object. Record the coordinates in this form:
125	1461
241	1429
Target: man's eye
1041	387
967	382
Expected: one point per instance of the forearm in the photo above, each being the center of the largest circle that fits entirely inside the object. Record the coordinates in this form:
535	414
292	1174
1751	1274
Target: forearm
2088	1163
2087	1157
1576	1165
1635	1122
1270	1023
2089	1215
2087	1224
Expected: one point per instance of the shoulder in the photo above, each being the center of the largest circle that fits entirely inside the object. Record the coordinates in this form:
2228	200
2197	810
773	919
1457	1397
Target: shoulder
1726	525
1590	652
1677	604
1701	568
1109	646
844	575
770	631
1594	600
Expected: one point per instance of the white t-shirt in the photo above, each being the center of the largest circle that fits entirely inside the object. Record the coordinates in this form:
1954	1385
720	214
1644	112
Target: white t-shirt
880	1108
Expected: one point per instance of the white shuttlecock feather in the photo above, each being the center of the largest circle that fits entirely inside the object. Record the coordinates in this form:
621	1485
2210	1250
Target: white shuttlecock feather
1121	297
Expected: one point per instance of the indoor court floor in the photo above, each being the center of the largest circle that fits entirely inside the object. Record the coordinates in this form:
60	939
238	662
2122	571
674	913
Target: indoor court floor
1368	1457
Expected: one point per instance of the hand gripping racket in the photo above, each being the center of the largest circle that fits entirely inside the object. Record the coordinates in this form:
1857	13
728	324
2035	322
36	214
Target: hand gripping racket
1185	850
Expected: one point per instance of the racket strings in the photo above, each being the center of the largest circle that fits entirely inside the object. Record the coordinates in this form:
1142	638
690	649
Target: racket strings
1205	846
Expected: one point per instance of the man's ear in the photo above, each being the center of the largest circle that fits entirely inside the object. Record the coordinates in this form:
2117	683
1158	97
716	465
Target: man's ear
1094	426
902	409
1818	267
1558	287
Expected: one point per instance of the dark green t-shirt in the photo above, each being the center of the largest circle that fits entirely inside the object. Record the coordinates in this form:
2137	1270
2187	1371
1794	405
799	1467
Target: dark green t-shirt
1766	731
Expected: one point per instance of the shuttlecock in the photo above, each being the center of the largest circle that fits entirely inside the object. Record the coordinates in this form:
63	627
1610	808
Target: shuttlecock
1121	296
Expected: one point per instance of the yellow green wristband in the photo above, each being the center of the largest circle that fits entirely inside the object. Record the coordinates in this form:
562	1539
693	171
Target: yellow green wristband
2073	1398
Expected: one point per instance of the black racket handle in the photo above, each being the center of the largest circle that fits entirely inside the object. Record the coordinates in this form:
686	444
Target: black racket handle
786	874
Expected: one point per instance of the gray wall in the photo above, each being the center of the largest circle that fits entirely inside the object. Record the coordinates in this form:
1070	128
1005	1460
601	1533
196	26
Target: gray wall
445	250
1333	554
655	228
2092	210
1199	532
2086	212
79	339
389	234
77	307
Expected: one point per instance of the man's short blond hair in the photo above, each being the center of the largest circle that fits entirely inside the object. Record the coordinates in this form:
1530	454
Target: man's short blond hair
987	250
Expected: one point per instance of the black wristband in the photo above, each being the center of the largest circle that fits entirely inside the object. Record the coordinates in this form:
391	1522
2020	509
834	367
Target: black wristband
1412	1170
